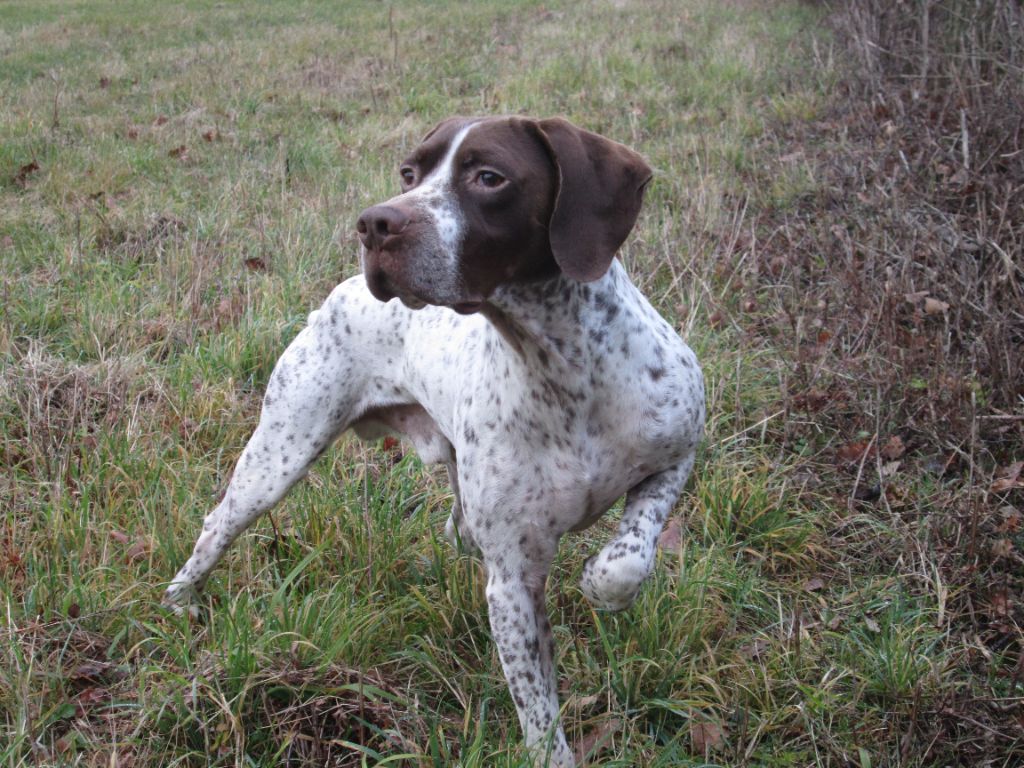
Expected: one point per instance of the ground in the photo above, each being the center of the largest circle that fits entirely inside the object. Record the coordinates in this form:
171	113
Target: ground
835	225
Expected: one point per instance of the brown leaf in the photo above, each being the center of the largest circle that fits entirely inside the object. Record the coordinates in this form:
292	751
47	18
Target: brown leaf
915	297
706	737
1002	548
74	611
139	550
934	306
160	120
593	741
89	670
256	264
390	443
1011	520
814	584
211	135
872	625
853	453
180	152
672	537
119	537
716	319
21	177
756	648
893	448
1009	479
89	698
1001	603
104	82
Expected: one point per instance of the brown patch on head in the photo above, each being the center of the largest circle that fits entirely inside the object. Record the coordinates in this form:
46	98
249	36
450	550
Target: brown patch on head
506	226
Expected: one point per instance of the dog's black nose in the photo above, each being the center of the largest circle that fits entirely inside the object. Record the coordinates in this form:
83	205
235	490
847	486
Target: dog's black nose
378	223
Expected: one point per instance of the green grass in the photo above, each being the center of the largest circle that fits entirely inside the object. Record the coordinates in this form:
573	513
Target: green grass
178	186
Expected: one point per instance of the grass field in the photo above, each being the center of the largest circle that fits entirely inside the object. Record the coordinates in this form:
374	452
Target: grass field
841	582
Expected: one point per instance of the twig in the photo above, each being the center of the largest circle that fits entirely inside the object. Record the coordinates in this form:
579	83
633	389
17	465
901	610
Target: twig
860	472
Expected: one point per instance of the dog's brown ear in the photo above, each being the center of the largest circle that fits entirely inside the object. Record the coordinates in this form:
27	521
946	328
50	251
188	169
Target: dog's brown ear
601	187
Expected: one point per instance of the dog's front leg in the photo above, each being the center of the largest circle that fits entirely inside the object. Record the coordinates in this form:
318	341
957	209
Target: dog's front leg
309	401
612	578
522	632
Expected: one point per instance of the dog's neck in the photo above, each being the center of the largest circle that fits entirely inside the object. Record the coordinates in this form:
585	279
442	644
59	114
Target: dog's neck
554	321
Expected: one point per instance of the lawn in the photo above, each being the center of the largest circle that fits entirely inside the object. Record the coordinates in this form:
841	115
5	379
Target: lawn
840	584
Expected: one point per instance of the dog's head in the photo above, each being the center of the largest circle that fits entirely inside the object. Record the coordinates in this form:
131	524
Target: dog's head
492	201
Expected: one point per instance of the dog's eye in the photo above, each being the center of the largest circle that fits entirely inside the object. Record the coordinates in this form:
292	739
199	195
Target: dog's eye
408	175
490	179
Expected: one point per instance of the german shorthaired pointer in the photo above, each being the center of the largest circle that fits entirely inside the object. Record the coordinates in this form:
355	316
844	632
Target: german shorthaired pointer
519	354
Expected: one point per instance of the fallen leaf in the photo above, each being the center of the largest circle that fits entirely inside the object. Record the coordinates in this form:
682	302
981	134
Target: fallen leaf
1002	548
814	584
89	670
706	737
756	648
88	698
180	152
1011	520
893	448
104	82
872	625
119	537
890	468
853	453
211	135
256	264
160	120
1001	603
21	177
934	306
915	297
74	611
834	622
593	741
1009	479
672	537
139	550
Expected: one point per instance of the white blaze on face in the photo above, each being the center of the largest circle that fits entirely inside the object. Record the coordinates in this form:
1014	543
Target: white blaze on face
435	196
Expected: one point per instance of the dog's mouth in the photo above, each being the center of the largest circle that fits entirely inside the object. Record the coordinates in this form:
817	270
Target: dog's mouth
413	302
467	307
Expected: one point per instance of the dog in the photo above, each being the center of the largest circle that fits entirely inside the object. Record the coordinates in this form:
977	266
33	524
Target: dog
494	329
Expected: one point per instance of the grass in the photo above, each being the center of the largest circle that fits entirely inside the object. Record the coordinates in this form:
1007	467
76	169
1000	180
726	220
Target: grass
840	585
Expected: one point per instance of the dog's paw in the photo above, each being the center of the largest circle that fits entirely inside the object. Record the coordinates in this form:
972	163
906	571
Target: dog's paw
612	585
181	598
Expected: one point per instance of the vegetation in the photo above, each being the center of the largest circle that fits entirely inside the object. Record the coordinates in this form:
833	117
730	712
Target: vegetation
835	224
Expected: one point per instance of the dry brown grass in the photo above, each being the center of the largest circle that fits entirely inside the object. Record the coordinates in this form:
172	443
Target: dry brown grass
893	293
